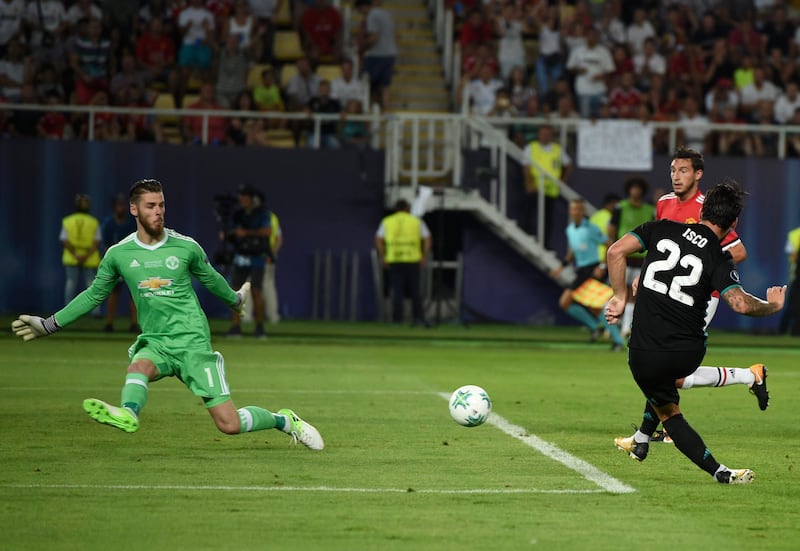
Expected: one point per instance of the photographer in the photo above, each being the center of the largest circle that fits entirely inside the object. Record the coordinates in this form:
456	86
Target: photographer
249	234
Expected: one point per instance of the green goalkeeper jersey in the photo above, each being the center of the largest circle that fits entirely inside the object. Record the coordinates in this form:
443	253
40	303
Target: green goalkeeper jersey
160	282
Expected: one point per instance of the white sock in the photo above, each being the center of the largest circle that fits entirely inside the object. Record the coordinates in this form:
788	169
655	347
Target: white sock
639	437
719	376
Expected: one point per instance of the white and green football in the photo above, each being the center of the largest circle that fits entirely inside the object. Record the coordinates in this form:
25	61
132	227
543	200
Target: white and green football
470	406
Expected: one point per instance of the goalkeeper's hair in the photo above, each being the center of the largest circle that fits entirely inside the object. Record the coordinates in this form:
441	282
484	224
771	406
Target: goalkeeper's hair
723	203
140	187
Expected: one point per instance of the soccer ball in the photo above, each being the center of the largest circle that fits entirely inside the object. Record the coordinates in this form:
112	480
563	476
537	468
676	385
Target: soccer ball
470	406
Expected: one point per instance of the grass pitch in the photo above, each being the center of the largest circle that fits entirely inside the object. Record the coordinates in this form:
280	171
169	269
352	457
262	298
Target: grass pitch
397	472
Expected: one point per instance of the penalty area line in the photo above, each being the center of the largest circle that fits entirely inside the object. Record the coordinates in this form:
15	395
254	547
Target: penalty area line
330	489
607	482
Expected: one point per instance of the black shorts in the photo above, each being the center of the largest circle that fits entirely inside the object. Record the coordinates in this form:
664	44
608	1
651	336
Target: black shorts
582	274
240	274
655	372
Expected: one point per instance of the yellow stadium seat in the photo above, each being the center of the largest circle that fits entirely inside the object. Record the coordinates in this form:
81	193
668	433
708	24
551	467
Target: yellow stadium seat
287	72
166	101
283	18
189	99
280	138
287	46
329	72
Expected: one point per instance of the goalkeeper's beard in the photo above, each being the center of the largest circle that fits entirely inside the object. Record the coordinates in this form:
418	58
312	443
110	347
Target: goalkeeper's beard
154	230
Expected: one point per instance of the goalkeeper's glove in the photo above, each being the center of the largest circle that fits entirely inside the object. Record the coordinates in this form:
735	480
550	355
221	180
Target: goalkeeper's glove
33	327
241	294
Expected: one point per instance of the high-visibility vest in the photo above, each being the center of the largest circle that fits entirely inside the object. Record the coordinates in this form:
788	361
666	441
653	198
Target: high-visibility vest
550	161
275	227
601	218
794	239
81	230
402	237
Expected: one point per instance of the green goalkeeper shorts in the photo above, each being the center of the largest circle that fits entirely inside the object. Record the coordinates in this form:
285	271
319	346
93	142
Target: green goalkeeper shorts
202	371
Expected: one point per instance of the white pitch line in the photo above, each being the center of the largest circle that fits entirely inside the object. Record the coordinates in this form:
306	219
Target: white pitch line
586	470
333	489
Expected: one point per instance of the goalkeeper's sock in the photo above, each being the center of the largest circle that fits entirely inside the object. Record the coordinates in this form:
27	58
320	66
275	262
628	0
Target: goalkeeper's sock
582	315
134	393
719	376
690	443
253	418
649	424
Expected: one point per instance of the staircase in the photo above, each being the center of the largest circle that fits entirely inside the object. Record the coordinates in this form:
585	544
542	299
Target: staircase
418	83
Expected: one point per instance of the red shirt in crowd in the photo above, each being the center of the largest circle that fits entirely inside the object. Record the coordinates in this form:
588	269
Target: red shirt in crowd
322	25
152	50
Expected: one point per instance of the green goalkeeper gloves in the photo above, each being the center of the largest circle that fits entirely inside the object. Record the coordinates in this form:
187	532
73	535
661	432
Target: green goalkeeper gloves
32	327
242	294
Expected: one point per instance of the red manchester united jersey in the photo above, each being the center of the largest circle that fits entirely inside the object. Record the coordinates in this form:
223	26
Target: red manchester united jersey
669	207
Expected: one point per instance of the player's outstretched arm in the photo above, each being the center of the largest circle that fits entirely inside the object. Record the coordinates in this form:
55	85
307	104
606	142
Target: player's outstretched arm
32	327
744	303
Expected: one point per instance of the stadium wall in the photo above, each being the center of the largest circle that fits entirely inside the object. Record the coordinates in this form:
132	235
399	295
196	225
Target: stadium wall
333	200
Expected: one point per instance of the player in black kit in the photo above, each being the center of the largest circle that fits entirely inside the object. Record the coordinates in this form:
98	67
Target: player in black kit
684	264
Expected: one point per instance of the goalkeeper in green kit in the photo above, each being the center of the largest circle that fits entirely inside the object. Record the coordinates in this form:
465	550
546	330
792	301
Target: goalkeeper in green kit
157	265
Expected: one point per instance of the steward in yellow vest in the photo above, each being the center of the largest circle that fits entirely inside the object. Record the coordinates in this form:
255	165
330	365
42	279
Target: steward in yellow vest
79	235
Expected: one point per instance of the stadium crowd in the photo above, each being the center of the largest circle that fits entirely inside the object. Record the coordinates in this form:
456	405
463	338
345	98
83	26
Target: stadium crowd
694	62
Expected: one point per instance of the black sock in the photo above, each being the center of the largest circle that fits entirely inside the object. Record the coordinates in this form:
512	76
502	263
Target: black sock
649	420
690	443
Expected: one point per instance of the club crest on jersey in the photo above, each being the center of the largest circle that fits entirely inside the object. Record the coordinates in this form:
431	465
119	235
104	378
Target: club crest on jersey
172	262
155	283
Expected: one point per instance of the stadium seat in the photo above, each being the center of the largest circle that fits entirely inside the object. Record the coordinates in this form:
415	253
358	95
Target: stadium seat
329	72
287	72
166	101
189	99
287	46
280	138
283	19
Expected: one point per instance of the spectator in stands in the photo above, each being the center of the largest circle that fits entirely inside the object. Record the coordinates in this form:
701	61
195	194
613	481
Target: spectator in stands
90	62
82	10
266	12
137	125
15	70
694	130
47	22
787	103
778	31
519	89
545	163
380	49
127	75
352	132
106	125
153	9
779	69
47	82
481	91
765	144
302	86
624	100
686	69
524	133
243	130
511	50
623	63
120	15
232	68
638	31
610	26
550	62
53	125
12	14
647	64
267	95
217	126
591	64
744	74
720	97
243	25
719	65
321	32
324	104
475	30
23	124
346	87
743	38
760	90
482	55
708	34
196	25
549	101
679	20
155	53
734	143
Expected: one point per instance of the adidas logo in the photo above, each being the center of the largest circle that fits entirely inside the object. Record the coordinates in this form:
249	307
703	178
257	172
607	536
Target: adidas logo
134	264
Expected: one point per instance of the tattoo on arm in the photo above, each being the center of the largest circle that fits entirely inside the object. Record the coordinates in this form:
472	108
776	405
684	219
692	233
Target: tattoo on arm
743	302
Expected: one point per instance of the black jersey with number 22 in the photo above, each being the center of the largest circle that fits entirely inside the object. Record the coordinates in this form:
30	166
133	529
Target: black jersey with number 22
684	264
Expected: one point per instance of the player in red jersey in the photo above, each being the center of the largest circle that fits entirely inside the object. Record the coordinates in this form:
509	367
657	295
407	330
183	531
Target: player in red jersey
683	205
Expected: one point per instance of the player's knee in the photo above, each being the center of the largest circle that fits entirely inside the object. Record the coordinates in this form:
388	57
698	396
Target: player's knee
145	367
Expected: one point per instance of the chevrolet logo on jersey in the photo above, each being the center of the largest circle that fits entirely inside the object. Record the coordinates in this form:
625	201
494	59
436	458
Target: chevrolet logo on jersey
154	283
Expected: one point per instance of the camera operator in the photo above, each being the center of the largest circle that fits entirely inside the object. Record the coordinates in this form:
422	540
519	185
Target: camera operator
249	235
